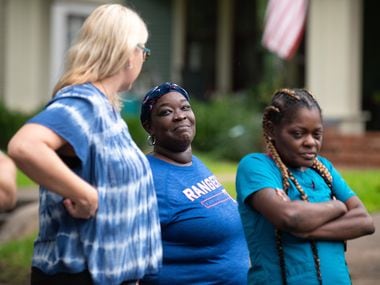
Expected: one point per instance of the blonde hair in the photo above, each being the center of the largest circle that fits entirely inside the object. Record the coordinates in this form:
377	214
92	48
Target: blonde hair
104	45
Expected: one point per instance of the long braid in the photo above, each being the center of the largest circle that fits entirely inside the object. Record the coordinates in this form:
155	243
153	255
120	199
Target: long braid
273	115
320	168
270	147
285	182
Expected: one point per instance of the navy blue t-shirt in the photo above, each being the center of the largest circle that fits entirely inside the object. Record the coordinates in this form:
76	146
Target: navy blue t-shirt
203	238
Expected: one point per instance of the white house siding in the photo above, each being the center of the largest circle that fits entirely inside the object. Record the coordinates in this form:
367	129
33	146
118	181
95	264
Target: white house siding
333	52
27	53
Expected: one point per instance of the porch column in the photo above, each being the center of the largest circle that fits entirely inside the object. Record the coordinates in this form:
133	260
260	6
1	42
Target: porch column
334	48
178	40
224	46
27	54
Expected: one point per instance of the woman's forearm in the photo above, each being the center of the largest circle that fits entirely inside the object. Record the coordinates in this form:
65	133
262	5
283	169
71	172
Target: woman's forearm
306	217
295	216
355	223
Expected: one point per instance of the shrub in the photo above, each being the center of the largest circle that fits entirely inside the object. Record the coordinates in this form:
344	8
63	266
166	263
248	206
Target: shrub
227	127
10	122
137	132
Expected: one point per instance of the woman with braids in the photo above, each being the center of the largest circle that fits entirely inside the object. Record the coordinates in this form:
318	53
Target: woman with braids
297	210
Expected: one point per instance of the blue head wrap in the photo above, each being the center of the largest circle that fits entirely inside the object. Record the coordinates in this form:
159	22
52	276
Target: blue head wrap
154	94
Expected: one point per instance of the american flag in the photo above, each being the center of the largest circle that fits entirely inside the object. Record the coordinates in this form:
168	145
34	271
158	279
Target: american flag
284	26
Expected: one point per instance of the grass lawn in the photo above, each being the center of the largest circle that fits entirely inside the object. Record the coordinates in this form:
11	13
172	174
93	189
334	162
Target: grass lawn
15	261
15	256
366	184
23	180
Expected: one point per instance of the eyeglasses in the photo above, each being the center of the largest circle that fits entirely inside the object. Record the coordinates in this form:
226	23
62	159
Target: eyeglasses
146	51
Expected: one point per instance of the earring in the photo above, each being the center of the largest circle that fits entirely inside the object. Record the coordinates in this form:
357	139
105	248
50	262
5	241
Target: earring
151	140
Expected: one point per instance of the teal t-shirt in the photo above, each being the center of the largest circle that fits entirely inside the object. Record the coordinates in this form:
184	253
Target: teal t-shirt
258	171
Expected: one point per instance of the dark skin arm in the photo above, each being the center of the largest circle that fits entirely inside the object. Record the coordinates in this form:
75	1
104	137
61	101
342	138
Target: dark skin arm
331	220
294	216
353	224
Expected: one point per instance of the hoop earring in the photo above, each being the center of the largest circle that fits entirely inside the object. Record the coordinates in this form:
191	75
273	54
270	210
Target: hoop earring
151	140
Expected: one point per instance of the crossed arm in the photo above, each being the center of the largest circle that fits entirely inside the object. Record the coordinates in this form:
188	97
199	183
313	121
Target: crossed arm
332	220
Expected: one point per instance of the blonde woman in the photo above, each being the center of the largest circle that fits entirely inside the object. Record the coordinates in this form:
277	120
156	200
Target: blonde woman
98	211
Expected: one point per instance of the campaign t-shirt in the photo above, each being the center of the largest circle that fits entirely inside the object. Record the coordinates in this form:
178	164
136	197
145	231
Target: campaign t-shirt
202	234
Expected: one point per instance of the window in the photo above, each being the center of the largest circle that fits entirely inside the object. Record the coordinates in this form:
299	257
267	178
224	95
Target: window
66	19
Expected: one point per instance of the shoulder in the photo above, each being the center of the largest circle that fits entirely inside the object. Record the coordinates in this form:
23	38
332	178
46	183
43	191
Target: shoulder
256	168
81	94
197	161
255	159
78	102
199	166
326	162
159	168
77	90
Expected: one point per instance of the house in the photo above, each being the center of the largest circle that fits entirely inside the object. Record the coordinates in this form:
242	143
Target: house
210	47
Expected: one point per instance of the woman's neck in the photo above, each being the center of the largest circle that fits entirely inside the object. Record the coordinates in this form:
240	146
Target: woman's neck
109	87
183	158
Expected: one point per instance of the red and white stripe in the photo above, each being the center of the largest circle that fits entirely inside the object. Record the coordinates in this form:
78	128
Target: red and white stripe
284	26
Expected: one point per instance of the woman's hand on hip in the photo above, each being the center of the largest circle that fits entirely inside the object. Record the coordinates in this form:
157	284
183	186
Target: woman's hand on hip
85	207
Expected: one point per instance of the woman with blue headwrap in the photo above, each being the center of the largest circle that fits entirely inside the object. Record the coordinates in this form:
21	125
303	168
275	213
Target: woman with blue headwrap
203	240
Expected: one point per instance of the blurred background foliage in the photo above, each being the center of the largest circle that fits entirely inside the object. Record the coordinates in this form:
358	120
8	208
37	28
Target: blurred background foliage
228	125
10	122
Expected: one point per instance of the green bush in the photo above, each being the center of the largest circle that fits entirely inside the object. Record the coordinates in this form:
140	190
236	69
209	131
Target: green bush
10	122
137	132
227	127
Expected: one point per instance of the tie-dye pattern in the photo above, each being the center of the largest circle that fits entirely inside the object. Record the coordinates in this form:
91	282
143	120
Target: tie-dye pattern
122	242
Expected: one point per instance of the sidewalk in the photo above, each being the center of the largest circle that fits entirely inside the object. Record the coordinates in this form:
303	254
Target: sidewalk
363	257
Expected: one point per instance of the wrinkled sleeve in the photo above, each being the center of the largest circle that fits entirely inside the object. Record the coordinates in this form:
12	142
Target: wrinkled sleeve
254	173
70	118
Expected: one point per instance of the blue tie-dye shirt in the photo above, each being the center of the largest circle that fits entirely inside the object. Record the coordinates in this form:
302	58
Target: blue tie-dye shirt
122	242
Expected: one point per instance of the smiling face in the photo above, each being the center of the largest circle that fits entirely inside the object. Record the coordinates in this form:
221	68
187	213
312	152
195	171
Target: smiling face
299	139
172	122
